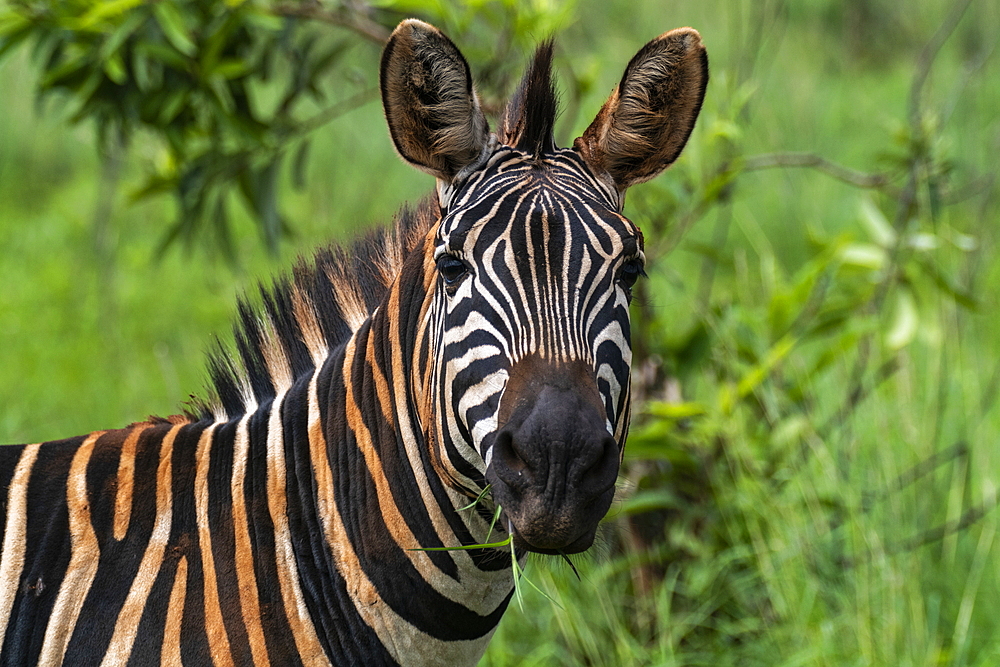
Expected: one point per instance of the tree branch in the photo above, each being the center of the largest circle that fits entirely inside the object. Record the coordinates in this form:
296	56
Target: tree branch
353	19
811	160
938	533
928	55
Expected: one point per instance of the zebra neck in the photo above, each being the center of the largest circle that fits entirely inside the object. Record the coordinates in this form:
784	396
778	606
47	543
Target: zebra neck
380	503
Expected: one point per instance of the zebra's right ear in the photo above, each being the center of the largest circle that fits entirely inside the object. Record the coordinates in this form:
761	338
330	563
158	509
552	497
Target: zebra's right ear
645	123
430	105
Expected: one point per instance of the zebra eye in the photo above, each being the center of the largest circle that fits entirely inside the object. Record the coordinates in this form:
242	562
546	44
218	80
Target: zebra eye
630	272
451	268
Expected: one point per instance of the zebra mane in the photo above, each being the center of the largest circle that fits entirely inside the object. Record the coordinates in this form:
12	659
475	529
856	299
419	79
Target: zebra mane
305	316
528	119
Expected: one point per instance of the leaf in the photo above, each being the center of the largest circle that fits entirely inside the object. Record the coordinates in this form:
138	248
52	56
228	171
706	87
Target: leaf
172	23
650	500
116	39
172	105
115	69
923	241
963	242
163	53
155	185
65	71
863	256
946	284
267	196
468	547
655	440
141	72
220	91
878	227
13	30
230	68
904	322
759	372
220	220
299	165
105	10
675	411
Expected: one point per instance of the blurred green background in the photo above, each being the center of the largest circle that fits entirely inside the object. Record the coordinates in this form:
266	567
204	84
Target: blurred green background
812	469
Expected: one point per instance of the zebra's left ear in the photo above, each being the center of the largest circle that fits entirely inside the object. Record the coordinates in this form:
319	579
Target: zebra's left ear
433	113
648	118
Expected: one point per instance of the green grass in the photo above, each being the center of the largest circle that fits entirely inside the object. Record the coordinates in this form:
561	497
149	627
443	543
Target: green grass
791	537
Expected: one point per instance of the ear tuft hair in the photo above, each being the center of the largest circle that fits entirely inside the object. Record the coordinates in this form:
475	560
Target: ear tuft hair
528	119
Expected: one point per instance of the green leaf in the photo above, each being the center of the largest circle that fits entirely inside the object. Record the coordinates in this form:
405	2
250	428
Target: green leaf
116	39
267	197
115	69
650	500
230	68
905	321
675	411
863	256
12	22
108	9
947	285
172	105
878	227
491	545
164	54
141	72
14	29
220	91
656	439
923	241
65	71
478	499
171	21
299	165
759	372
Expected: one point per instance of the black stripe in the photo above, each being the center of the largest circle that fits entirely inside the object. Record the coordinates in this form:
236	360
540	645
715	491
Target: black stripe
220	522
48	540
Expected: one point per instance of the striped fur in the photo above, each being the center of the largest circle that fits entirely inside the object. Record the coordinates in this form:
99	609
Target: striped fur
292	518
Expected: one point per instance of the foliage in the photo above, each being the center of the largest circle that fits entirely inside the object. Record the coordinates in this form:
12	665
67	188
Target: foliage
235	90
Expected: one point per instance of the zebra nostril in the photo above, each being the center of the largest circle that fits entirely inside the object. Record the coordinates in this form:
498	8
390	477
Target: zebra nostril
508	462
603	471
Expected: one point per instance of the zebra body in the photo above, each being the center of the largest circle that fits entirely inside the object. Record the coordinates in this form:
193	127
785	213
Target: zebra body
299	517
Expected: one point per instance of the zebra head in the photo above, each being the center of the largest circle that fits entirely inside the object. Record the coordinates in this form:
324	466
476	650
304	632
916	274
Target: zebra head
529	272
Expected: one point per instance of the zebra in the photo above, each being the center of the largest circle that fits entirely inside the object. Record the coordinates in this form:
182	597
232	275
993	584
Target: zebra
461	375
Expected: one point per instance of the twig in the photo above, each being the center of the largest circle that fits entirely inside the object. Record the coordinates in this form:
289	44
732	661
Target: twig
925	467
338	109
935	534
841	173
928	55
971	189
938	533
351	19
859	392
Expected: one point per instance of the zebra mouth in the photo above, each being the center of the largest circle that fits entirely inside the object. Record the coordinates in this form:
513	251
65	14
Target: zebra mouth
538	527
578	545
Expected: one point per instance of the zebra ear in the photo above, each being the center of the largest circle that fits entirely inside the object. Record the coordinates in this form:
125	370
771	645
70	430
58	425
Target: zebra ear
432	110
648	118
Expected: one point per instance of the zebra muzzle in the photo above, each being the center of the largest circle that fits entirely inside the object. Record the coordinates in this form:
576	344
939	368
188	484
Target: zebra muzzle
554	463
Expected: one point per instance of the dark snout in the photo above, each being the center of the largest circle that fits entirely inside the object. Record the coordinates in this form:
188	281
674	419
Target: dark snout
553	464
